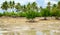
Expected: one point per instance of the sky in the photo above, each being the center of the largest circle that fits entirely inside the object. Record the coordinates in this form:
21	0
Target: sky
42	3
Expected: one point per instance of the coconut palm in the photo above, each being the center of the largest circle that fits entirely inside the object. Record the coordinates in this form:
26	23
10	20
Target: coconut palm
34	6
5	6
28	6
24	8
11	5
18	7
48	5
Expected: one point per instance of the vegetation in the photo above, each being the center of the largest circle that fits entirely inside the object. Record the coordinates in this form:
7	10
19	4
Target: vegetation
31	15
45	13
31	10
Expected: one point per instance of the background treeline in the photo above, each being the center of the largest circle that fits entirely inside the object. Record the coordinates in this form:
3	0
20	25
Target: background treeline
31	10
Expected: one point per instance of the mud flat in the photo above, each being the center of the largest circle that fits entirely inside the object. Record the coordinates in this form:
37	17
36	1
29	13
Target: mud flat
13	25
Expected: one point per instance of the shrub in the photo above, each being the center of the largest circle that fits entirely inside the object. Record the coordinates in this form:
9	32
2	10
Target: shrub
45	13
37	14
21	14
57	14
12	14
31	15
5	13
1	14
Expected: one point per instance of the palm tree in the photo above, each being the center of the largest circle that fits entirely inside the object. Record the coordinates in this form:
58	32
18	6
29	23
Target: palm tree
5	6
34	6
24	8
18	7
28	6
11	4
48	6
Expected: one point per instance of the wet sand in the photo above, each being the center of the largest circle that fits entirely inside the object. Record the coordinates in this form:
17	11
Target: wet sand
19	24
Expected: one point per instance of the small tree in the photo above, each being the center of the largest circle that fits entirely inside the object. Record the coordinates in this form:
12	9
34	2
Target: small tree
45	13
30	15
12	14
5	14
58	11
21	14
57	14
1	14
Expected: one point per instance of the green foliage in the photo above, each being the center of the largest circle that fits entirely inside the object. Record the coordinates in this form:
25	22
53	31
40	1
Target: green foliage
37	14
30	14
45	13
12	14
18	7
11	4
21	14
57	13
1	14
5	13
4	5
30	11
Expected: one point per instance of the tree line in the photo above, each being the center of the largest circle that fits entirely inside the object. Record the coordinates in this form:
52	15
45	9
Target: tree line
31	10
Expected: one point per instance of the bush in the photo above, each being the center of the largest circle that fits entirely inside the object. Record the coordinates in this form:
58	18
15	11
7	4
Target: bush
57	14
12	14
21	14
45	13
37	14
1	14
31	15
5	13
